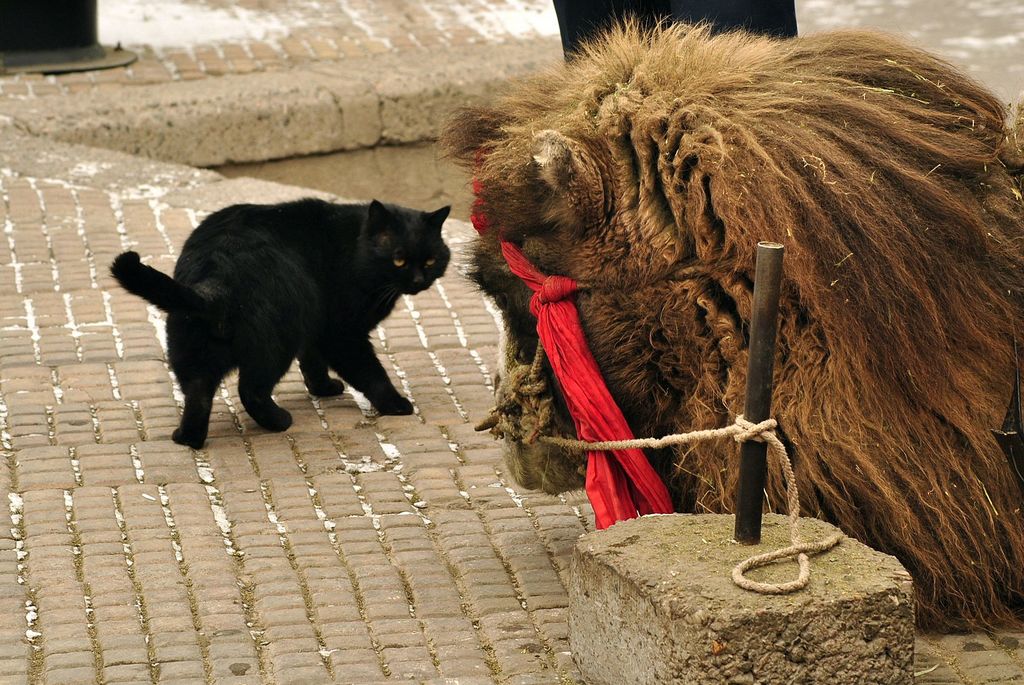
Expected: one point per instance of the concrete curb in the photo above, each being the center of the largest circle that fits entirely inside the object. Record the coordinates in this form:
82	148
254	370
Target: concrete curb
322	107
25	154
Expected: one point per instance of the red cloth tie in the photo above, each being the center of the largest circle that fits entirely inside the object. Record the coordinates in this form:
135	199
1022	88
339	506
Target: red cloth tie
621	483
556	289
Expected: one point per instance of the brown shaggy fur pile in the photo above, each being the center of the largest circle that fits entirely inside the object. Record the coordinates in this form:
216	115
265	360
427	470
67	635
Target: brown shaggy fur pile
649	168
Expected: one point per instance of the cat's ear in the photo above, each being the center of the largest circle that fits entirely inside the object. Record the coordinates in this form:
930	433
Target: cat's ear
437	217
379	217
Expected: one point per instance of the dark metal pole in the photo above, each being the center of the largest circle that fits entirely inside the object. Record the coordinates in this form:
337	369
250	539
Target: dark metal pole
54	37
753	469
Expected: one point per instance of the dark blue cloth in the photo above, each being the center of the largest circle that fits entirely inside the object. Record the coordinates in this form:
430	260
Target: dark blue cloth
580	19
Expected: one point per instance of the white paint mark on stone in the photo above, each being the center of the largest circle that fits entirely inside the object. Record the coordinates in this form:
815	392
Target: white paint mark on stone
86	170
157	208
72	325
171	525
364	465
115	386
76	466
459	331
438	366
220	516
54	271
30	323
80	230
140	474
58	392
108	310
516	497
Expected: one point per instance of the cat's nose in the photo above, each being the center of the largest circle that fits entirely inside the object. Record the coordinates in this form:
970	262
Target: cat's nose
417	278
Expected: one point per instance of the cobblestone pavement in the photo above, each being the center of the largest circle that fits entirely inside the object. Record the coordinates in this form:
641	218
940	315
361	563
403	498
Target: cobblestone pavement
352	548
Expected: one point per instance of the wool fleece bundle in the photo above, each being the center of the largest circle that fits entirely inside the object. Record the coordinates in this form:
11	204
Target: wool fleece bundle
648	168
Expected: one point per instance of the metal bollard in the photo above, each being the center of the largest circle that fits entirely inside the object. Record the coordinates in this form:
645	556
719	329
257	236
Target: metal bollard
753	468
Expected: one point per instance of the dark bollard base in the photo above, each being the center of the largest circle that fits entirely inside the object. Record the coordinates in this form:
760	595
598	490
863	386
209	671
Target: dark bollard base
93	57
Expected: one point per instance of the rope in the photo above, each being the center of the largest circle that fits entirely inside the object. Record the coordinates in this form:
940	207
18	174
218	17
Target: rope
526	401
527	397
741	431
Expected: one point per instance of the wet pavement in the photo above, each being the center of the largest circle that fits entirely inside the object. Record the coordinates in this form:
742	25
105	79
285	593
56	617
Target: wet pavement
413	175
984	38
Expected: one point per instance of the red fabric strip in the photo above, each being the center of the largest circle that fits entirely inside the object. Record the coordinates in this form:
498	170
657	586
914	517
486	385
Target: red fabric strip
620	483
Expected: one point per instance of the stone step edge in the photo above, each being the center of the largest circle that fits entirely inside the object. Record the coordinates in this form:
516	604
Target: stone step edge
316	108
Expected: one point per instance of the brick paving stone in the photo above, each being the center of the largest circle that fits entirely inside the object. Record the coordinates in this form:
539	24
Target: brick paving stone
165	462
180	669
978	658
44	467
71	676
126	673
105	464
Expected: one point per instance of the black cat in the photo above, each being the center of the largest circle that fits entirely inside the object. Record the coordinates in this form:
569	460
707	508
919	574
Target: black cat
257	286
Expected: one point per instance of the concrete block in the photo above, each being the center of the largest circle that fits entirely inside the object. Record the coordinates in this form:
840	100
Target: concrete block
651	600
360	113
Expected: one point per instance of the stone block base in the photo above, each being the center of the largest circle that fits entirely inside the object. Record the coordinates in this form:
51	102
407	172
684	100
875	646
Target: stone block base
651	600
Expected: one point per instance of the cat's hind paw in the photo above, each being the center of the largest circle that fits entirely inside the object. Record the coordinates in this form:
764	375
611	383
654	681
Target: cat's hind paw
395	406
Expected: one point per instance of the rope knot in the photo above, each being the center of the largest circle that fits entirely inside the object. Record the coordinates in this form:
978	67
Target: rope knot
556	288
756	432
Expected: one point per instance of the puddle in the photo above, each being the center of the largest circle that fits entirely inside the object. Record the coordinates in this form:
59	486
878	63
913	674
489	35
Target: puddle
410	175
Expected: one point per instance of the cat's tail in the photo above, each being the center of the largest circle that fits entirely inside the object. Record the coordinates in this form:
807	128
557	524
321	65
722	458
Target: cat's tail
155	286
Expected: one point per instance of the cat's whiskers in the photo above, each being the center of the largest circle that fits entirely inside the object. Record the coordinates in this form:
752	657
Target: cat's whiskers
385	296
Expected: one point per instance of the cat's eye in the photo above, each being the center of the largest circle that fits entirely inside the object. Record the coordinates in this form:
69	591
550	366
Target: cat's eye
399	261
430	261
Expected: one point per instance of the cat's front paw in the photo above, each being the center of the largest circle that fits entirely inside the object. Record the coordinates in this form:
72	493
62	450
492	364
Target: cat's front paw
327	388
394	406
183	438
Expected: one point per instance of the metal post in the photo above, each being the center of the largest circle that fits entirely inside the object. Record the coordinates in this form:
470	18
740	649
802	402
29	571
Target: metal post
753	469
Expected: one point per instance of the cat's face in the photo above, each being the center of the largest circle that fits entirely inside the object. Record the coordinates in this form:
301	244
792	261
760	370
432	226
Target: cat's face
406	245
